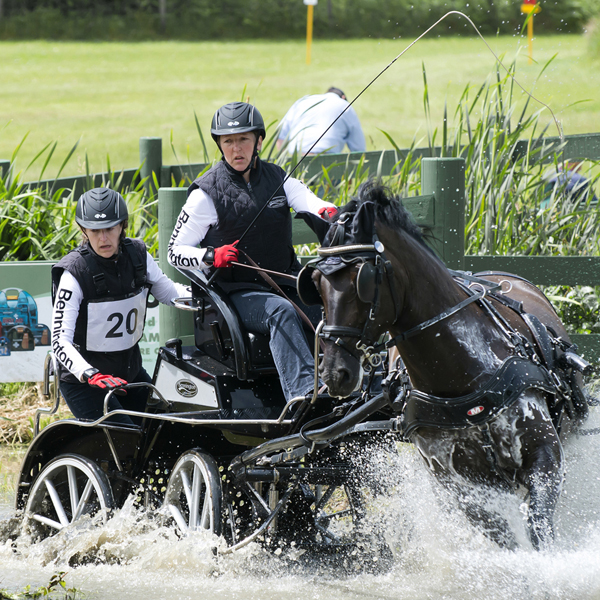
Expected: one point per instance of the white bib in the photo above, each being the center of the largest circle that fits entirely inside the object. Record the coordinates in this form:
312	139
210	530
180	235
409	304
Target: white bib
116	325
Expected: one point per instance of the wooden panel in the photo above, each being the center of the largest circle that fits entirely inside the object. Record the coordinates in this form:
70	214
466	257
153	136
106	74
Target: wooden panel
542	270
422	208
588	346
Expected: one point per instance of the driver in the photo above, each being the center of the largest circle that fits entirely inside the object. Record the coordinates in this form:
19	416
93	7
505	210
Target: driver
221	205
99	294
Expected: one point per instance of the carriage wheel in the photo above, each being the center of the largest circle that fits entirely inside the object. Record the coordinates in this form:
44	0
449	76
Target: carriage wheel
335	513
67	488
194	497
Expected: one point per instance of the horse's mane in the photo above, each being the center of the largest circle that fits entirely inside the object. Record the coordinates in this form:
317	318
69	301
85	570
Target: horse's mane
388	208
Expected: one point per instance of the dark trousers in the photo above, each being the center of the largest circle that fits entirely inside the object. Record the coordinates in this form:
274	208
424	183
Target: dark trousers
87	402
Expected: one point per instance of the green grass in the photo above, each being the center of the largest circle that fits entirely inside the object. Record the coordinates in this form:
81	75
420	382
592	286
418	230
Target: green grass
111	94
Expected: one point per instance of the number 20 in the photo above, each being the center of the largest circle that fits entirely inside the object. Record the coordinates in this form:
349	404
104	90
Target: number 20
130	323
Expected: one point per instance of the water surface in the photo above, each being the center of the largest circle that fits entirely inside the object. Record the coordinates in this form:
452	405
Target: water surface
436	553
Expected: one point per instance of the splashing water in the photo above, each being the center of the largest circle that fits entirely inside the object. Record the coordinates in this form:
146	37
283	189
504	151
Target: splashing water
436	553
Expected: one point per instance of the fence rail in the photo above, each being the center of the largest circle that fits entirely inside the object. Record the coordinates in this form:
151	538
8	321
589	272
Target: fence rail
581	146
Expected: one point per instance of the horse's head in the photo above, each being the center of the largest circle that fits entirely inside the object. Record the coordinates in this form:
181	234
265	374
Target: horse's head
352	279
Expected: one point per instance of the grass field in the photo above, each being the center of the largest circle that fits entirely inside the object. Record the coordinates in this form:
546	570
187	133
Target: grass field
110	94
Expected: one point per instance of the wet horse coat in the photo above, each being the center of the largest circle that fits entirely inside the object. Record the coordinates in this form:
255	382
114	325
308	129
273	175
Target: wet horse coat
449	360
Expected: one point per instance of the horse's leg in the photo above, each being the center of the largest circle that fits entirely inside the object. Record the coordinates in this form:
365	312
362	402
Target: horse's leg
534	450
544	481
456	459
491	524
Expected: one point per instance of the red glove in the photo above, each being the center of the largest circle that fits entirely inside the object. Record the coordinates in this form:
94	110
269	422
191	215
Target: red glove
106	381
225	254
328	213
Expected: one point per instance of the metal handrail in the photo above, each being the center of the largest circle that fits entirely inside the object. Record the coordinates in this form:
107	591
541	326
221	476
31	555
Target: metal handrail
174	418
49	360
185	303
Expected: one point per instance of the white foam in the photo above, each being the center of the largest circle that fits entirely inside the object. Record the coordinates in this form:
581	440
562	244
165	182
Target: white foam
437	553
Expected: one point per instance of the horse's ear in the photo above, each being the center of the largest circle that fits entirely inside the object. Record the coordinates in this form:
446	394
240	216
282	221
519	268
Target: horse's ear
319	226
363	224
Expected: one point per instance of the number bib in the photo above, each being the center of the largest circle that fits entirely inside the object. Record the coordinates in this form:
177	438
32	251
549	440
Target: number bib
116	325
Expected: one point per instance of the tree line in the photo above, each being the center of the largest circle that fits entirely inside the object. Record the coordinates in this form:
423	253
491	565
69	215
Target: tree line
275	19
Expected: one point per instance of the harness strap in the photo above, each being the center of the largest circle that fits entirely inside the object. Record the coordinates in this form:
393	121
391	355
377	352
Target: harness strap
441	317
98	276
141	269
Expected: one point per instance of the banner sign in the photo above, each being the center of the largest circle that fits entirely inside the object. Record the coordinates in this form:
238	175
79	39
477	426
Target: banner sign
25	319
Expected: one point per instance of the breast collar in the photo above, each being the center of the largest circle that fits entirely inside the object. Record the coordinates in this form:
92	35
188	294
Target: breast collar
514	376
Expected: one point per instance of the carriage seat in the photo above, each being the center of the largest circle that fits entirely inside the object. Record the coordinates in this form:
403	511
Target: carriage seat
220	334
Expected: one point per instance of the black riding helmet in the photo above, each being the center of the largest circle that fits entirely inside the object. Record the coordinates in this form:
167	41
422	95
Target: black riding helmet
100	208
237	117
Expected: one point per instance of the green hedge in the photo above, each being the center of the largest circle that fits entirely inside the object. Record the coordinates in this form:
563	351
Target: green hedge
274	19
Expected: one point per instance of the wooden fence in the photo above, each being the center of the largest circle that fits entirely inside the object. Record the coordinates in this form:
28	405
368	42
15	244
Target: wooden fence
441	208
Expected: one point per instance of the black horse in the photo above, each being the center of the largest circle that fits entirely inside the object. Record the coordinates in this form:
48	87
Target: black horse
491	370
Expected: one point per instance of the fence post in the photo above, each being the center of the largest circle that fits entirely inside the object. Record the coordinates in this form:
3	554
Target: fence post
173	323
151	161
4	164
445	179
162	11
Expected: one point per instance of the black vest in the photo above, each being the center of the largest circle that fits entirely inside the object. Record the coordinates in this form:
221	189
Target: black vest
104	280
269	241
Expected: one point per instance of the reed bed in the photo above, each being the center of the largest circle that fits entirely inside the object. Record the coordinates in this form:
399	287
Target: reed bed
19	402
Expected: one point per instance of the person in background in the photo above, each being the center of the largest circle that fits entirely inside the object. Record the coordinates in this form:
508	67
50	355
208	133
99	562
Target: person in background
99	294
310	116
570	184
221	205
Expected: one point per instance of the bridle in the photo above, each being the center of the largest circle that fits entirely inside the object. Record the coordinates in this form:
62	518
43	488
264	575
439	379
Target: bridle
373	269
376	267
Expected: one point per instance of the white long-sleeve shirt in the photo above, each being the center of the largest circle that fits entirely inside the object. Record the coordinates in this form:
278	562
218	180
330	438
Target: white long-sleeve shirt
199	214
311	116
64	317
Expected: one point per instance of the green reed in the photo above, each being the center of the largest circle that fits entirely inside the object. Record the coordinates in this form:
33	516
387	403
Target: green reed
505	186
37	220
57	588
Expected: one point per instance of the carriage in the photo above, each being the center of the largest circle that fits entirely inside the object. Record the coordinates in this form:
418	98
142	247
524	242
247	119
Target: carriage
487	383
217	448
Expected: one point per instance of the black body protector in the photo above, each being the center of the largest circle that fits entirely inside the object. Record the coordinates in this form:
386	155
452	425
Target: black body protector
269	241
113	311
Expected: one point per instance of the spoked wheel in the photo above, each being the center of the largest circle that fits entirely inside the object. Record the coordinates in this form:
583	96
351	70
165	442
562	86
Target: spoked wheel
67	488
335	513
194	497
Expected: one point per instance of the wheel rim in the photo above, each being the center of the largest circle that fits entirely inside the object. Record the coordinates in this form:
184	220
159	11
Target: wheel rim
193	497
66	489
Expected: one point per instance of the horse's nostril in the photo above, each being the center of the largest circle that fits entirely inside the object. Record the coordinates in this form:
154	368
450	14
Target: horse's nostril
345	375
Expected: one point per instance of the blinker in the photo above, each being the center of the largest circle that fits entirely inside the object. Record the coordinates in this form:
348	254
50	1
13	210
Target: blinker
366	282
307	291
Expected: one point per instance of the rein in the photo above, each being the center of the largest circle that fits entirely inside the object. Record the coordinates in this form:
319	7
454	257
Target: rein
264	273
